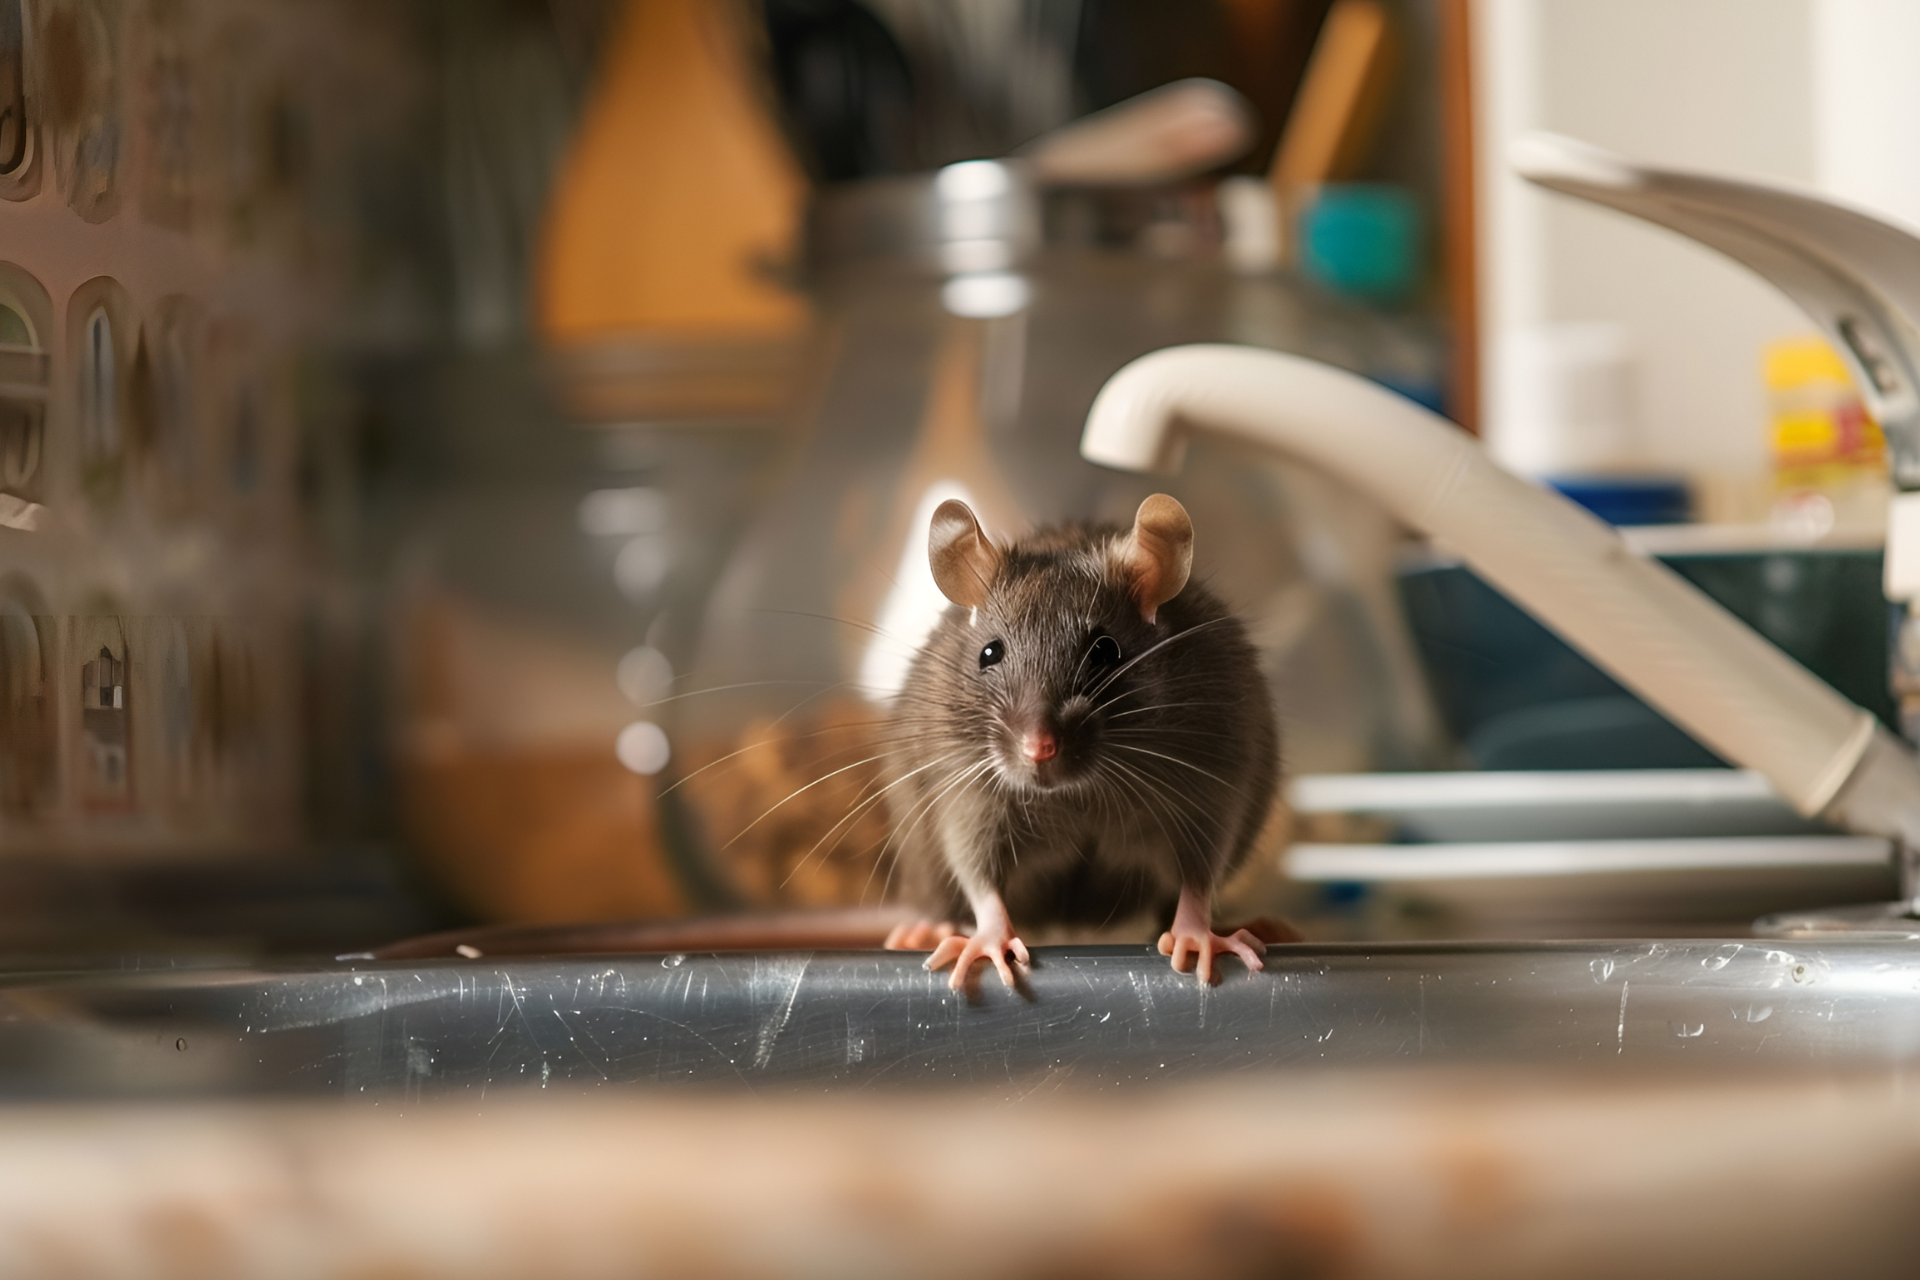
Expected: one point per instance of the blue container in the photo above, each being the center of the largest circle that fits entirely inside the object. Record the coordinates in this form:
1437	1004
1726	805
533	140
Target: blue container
1628	500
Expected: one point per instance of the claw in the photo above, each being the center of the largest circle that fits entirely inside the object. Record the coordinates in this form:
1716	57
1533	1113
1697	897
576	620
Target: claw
962	952
1204	945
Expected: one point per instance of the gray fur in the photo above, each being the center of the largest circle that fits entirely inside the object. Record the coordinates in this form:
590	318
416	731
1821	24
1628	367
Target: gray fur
1166	775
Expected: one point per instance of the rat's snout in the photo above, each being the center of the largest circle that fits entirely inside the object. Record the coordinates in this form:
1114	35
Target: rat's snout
1035	748
1046	745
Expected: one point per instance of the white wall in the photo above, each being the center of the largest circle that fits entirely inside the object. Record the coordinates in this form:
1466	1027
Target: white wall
1722	85
1865	57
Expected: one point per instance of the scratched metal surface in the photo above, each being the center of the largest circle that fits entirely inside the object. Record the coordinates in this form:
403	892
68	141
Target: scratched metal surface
1106	1017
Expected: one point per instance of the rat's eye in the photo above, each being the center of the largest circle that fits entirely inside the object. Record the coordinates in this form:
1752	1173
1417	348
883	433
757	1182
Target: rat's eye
1105	652
995	650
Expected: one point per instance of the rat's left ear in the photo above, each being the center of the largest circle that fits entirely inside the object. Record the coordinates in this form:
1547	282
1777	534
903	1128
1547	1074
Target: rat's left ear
1158	553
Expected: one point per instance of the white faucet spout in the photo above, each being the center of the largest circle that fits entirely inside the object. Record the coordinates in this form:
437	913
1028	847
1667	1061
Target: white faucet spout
1645	625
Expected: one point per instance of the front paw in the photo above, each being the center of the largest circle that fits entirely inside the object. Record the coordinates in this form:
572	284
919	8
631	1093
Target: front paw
999	946
1204	944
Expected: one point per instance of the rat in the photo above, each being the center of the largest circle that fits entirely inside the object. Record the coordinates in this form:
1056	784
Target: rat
1085	735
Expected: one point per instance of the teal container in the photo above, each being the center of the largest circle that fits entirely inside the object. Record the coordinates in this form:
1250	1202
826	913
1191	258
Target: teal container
1363	240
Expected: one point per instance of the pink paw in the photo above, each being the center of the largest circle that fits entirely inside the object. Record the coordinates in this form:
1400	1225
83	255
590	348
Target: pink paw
1206	944
922	935
997	945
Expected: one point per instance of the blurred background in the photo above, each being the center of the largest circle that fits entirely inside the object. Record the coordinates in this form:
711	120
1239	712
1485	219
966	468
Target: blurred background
468	462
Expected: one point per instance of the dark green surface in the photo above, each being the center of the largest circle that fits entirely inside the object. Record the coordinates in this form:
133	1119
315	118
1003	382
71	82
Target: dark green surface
1517	697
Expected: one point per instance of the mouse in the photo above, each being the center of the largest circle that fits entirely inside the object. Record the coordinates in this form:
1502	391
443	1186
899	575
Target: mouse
1085	735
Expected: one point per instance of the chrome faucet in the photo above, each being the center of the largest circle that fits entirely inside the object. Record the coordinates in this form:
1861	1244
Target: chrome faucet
1855	275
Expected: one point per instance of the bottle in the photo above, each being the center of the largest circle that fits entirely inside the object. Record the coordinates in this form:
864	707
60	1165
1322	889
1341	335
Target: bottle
1829	457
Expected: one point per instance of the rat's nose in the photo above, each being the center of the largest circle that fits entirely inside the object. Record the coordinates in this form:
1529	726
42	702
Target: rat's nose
1040	745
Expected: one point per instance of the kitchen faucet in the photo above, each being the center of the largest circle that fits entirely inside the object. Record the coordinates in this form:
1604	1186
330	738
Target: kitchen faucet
1859	279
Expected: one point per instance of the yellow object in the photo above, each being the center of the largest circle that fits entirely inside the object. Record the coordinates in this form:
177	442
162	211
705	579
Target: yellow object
679	202
1803	361
1821	433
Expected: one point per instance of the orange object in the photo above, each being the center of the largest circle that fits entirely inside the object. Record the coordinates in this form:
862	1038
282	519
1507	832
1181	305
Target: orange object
512	796
541	833
679	201
1459	251
1338	108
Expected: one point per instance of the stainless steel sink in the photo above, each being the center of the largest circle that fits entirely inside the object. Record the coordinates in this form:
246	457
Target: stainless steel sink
1102	1017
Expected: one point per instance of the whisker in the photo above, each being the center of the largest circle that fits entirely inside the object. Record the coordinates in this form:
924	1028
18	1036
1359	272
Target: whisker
1165	684
1167	706
1153	810
1152	649
922	729
959	778
772	738
1170	803
729	688
854	813
797	791
855	623
1186	764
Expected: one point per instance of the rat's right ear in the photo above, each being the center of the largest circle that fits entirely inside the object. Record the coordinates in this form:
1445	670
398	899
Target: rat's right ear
964	562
